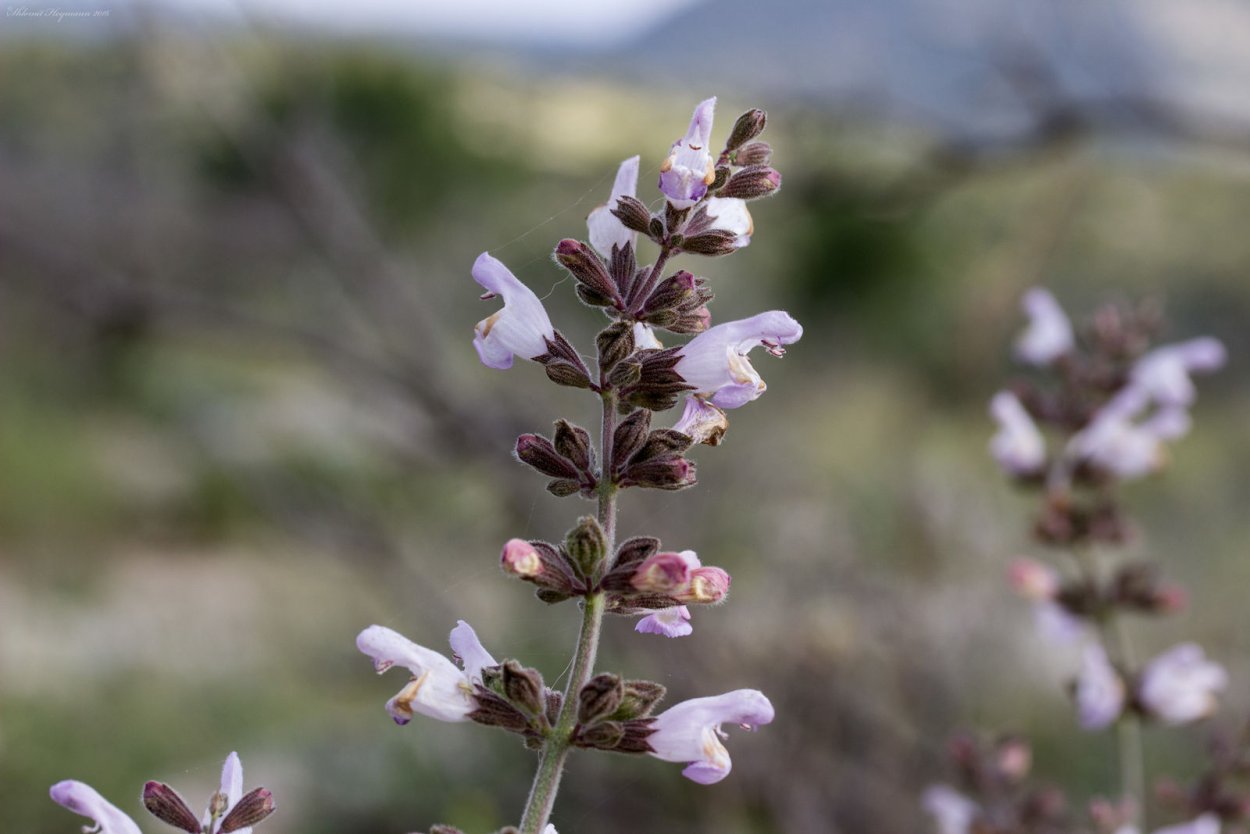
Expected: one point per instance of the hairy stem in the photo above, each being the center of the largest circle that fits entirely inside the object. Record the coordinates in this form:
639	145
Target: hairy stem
556	750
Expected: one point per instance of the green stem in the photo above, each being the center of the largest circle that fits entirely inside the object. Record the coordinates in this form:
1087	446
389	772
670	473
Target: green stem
1114	635
556	749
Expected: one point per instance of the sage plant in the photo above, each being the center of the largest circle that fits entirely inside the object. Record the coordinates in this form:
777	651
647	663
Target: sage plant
1099	411
703	213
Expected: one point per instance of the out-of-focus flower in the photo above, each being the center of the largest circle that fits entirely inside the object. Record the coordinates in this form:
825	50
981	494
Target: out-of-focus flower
1118	444
521	328
702	422
83	799
1018	445
1163	373
1099	690
691	731
688	171
952	811
1049	333
604	228
1205	824
715	362
669	622
438	688
1180	685
1040	584
729	214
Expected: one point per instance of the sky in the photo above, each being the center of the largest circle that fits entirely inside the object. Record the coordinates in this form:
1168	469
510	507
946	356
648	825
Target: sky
598	22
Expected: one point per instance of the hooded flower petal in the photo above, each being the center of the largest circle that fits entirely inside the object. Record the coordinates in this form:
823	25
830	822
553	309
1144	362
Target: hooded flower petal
690	731
520	328
688	171
605	230
669	622
952	811
1018	446
1180	685
438	689
1099	690
1049	334
473	656
84	800
729	214
715	362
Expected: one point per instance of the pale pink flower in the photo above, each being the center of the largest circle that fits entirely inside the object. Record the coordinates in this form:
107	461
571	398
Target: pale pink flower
691	731
1018	446
604	228
521	328
83	799
1163	373
1099	690
1049	333
668	622
1180	685
952	811
715	362
438	688
688	171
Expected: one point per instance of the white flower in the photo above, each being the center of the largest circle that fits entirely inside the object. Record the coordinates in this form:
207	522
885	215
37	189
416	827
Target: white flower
1163	373
1018	446
1049	334
1205	824
83	799
715	362
952	811
1180	685
521	328
688	171
438	688
605	229
1099	690
690	731
730	214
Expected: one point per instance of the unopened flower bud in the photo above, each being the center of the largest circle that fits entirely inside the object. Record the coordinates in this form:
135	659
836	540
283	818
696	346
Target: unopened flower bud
749	125
520	558
633	214
629	437
566	373
712	243
640	697
164	803
587	268
615	343
538	452
671	292
254	807
523	687
752	183
573	443
1033	580
1014	758
756	153
605	735
661	473
218	804
662	573
599	698
586	545
706	585
1170	598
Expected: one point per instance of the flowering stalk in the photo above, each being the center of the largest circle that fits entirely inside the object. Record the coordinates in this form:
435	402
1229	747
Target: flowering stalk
551	764
635	377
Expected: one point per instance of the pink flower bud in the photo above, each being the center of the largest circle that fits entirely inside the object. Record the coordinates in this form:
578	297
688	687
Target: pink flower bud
706	585
520	558
1033	580
663	573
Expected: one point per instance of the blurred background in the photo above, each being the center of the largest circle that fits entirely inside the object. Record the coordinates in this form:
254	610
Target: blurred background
240	417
